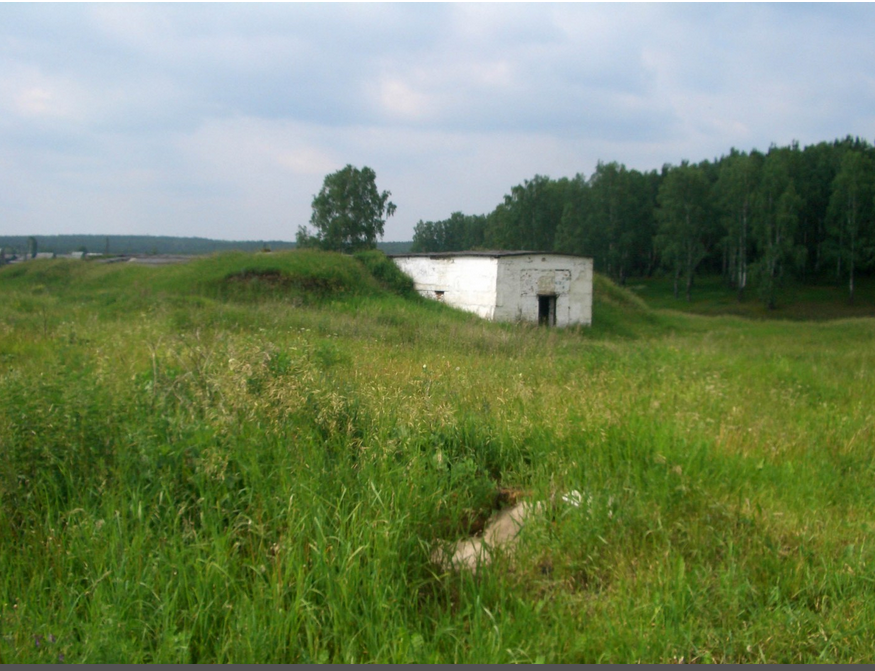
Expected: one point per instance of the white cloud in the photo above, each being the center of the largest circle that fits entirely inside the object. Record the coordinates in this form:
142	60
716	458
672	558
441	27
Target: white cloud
29	94
400	100
222	120
34	101
307	161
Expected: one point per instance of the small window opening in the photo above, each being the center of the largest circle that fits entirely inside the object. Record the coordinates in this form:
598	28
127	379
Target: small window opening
439	296
547	310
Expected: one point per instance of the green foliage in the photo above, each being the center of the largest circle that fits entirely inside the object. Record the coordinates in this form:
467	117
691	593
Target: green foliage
529	215
685	229
852	214
621	218
402	247
776	217
572	235
348	212
735	189
459	232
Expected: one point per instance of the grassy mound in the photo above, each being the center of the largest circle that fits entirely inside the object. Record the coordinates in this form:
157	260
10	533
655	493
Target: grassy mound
386	272
296	276
299	276
617	311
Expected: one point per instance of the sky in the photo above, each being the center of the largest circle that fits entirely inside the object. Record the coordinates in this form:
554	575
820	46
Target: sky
222	120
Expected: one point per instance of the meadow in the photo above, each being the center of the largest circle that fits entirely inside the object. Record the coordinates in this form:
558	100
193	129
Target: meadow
252	458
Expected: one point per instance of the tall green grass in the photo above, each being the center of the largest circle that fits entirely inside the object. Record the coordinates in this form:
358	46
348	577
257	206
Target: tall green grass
203	468
816	299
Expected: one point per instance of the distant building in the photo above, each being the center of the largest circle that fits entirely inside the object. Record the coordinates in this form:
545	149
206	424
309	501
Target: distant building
552	289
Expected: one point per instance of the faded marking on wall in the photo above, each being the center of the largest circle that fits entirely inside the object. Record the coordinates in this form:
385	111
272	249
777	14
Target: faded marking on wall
545	282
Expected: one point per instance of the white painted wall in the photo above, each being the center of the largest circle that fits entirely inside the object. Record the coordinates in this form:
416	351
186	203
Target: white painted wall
506	288
522	278
468	282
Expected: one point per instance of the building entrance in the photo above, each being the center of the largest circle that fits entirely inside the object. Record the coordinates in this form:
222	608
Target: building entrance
547	310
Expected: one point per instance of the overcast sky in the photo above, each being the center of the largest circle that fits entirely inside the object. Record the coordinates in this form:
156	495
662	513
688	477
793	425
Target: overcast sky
221	120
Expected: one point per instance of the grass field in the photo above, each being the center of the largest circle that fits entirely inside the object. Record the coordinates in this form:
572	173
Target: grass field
813	301
252	458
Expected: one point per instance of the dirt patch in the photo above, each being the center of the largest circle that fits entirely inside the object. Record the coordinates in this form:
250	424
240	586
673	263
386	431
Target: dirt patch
268	277
277	279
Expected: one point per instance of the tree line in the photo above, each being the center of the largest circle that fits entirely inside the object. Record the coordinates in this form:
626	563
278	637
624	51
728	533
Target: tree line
12	246
754	217
131	244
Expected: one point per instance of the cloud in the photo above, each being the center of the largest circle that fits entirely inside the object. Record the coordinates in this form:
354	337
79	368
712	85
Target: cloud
222	119
34	101
401	100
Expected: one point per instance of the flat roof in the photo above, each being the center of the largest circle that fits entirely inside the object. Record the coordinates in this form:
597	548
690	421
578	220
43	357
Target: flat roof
487	253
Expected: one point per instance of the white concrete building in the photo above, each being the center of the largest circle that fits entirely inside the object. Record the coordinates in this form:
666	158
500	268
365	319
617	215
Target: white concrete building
553	289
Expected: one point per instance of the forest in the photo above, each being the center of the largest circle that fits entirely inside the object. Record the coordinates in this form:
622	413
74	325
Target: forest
755	218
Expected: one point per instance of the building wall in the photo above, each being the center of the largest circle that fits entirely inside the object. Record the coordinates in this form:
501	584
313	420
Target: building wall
467	282
521	279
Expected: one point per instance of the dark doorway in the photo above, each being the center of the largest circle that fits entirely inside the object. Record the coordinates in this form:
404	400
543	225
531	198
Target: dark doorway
547	310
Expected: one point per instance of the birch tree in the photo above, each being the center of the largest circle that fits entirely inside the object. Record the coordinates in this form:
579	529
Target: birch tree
776	217
736	187
683	237
349	213
850	213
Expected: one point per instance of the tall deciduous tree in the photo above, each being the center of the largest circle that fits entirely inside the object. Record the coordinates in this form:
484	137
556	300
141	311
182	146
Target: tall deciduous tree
459	232
684	236
611	216
818	169
850	212
529	216
776	218
735	187
348	213
573	235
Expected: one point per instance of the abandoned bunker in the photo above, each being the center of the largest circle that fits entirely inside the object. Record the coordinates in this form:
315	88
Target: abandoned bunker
550	289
